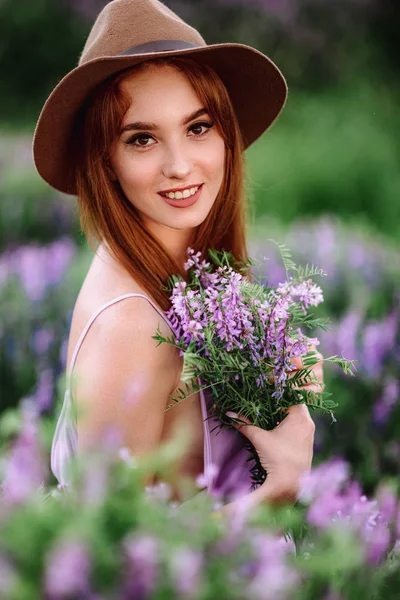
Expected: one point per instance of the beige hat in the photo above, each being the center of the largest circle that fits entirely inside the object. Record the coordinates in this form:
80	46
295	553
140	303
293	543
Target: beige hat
128	32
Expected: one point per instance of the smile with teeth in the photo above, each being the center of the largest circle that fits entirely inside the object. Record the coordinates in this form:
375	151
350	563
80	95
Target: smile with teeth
179	195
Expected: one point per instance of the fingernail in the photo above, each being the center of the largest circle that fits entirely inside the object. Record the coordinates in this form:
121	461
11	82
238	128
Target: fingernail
231	414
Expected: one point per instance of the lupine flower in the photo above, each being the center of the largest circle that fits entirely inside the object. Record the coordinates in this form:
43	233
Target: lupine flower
44	390
345	333
335	501
37	267
387	503
327	477
379	339
186	570
142	565
67	570
275	578
384	405
95	481
42	340
25	469
377	540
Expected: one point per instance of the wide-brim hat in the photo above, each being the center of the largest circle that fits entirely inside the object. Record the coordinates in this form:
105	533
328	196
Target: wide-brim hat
126	33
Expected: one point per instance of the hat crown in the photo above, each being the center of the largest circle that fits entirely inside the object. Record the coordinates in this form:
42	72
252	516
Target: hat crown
123	24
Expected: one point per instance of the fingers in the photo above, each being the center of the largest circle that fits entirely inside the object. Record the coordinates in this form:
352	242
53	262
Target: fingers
254	434
311	387
237	418
316	373
297	361
245	426
298	414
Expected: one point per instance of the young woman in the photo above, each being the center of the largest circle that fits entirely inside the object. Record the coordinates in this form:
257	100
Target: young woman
149	132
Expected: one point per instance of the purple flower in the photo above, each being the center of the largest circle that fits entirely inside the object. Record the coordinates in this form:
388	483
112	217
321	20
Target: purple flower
379	339
25	469
42	340
44	390
337	502
326	509
38	267
95	480
220	312
346	333
275	578
67	570
59	256
307	292
142	566
384	405
326	246
327	477
377	540
186	569
387	503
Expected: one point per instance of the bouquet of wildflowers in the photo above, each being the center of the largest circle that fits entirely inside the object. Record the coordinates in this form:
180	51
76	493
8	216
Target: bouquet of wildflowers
238	336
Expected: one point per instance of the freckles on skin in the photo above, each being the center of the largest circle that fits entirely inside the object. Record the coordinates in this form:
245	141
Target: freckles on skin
174	156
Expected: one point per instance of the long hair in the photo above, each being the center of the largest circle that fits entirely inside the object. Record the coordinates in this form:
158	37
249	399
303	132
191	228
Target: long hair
107	215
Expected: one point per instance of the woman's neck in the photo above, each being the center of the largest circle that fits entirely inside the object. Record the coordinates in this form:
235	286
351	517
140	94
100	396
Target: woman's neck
175	241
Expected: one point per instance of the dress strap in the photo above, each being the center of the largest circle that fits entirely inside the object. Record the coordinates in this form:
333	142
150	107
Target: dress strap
97	313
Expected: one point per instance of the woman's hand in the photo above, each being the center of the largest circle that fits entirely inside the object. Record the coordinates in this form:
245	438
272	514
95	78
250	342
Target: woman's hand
316	372
285	452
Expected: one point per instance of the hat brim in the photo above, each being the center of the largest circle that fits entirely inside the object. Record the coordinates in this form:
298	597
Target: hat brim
255	85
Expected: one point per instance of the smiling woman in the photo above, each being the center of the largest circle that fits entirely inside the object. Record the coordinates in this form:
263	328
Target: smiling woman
189	138
149	131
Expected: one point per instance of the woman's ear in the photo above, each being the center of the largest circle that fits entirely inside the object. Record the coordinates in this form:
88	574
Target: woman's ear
110	171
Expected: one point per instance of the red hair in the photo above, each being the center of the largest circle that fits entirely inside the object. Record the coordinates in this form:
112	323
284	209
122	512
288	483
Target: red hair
107	215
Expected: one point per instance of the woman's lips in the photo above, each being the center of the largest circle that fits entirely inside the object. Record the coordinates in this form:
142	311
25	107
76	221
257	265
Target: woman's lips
184	202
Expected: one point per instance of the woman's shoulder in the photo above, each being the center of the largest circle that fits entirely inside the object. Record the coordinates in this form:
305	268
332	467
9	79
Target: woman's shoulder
99	294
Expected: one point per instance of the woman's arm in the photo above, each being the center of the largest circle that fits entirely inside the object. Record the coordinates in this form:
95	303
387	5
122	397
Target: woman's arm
123	380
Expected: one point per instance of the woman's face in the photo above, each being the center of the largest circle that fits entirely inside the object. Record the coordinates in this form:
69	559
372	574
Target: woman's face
167	142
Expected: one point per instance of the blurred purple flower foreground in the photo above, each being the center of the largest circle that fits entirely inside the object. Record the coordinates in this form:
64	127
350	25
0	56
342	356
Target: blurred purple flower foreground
335	501
25	470
37	268
148	546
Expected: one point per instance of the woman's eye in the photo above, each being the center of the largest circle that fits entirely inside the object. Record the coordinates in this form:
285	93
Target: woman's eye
142	137
140	140
198	126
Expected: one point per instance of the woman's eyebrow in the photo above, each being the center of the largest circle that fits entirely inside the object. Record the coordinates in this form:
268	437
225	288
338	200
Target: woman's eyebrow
139	125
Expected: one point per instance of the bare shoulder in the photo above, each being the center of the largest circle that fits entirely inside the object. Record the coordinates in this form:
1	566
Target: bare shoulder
131	319
123	376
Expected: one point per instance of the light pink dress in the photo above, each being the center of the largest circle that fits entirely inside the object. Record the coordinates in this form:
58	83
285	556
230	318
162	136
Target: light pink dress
227	462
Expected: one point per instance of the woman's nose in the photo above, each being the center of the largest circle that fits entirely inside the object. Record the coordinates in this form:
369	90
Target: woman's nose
177	162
